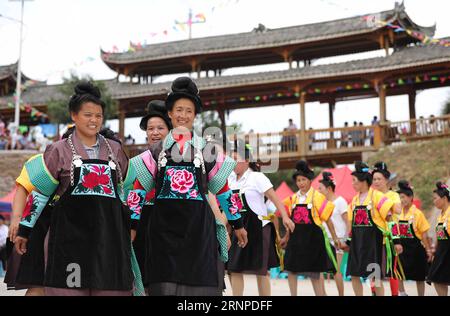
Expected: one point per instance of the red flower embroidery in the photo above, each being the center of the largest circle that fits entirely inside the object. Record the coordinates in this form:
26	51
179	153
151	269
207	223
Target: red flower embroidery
182	181
107	190
91	180
150	195
404	230
28	206
361	217
395	230
103	179
133	200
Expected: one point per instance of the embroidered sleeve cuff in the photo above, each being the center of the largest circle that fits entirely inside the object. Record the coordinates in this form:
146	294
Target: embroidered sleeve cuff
135	201
236	224
231	204
36	203
24	231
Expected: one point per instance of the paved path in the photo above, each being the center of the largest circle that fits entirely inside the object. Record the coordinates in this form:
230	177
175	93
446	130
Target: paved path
280	288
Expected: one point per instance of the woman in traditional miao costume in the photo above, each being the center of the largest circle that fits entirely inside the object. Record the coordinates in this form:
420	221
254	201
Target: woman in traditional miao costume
308	248
368	213
439	273
381	177
412	228
183	245
260	254
156	123
89	243
339	218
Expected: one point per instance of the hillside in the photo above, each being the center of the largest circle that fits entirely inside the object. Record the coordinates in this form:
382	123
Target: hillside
11	163
422	163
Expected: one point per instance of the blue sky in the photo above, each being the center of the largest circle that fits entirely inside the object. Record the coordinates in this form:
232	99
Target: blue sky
61	35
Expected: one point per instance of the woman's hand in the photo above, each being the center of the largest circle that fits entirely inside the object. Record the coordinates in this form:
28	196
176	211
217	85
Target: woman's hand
133	235
20	243
398	249
288	224
13	228
284	241
241	235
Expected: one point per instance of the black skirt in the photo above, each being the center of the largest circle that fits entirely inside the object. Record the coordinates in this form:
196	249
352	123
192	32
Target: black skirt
414	260
28	270
140	243
440	267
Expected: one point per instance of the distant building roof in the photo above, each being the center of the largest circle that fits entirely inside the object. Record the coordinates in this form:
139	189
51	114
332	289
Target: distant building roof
403	59
175	53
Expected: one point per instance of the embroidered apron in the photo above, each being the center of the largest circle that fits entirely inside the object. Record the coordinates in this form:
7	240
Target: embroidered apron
182	235
440	267
250	258
306	250
90	230
413	257
366	247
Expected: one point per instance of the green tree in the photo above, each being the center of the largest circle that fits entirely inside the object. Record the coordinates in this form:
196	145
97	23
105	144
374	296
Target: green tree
58	107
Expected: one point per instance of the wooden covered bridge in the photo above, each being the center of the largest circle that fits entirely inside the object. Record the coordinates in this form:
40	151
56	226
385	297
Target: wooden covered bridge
407	66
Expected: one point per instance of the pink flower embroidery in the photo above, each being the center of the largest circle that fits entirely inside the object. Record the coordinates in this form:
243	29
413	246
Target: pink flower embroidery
182	181
193	194
361	217
440	233
133	200
301	216
170	172
236	203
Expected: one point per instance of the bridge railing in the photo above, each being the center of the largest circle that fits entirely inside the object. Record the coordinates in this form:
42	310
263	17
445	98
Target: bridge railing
299	143
422	128
310	142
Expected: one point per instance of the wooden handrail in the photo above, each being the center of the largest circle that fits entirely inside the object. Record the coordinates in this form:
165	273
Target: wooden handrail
299	143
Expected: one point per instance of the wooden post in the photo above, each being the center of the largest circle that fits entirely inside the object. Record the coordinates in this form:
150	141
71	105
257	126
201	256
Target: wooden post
331	106
223	125
377	136
382	96
303	144
121	124
412	110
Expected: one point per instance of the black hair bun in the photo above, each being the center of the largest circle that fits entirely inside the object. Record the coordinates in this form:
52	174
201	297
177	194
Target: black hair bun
381	166
184	84
404	185
361	167
327	176
302	166
157	106
86	87
439	185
